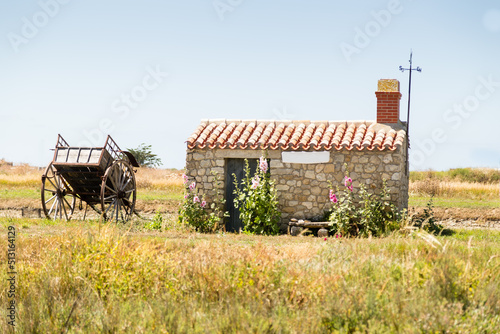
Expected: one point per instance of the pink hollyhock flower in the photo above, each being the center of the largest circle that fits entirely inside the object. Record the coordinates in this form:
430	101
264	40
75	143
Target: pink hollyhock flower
192	185
186	196
333	197
255	182
203	204
350	188
196	199
185	177
263	165
347	181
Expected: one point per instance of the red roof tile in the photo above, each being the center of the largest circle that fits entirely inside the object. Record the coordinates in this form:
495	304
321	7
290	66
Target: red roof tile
295	135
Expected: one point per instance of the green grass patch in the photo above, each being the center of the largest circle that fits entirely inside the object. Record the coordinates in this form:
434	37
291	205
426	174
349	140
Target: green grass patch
152	195
19	193
477	234
422	201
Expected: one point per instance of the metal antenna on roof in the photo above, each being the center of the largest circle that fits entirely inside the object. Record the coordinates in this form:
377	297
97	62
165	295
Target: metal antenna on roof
418	69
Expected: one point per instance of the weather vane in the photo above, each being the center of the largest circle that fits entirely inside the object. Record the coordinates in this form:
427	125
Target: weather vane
411	69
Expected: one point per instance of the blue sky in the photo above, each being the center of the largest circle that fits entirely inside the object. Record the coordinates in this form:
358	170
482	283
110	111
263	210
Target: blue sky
148	71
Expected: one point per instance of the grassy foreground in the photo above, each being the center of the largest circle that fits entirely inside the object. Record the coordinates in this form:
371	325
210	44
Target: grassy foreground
82	278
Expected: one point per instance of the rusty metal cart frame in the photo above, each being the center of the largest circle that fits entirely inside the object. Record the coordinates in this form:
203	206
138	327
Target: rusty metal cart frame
102	177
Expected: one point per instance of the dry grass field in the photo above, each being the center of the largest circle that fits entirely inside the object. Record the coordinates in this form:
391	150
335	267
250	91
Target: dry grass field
19	176
455	189
93	278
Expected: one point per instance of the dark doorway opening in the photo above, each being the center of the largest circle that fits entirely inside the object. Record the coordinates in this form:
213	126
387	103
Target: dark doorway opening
236	167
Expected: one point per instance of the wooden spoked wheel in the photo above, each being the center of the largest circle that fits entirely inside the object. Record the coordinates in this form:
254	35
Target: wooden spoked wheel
118	192
58	200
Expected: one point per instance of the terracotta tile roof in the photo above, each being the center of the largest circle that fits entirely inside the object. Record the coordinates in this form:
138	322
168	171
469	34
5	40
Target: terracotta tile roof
295	135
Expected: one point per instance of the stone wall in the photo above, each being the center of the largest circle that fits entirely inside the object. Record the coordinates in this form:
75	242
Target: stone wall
303	188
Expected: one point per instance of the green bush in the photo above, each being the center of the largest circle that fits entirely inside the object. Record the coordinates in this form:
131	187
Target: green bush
375	215
196	212
427	221
156	223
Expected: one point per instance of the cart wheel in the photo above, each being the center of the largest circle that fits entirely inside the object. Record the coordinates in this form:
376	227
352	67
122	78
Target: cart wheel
118	192
58	200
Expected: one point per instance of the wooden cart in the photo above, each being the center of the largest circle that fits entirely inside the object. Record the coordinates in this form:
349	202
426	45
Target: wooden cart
102	177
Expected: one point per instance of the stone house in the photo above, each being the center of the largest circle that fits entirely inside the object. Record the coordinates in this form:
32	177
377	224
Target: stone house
304	156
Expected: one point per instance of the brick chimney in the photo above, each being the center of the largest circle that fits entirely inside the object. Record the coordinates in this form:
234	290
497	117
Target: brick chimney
388	97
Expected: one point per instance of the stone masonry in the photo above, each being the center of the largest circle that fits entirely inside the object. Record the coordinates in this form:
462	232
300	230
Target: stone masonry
303	188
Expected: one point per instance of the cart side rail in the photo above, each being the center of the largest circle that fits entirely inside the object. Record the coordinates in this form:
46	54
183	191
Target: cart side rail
112	147
90	156
61	142
117	154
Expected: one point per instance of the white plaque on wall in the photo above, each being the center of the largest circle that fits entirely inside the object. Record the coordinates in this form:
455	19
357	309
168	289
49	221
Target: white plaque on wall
306	157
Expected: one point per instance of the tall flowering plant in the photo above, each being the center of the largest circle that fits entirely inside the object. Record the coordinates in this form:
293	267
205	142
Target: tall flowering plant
195	210
257	200
377	214
373	214
343	215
